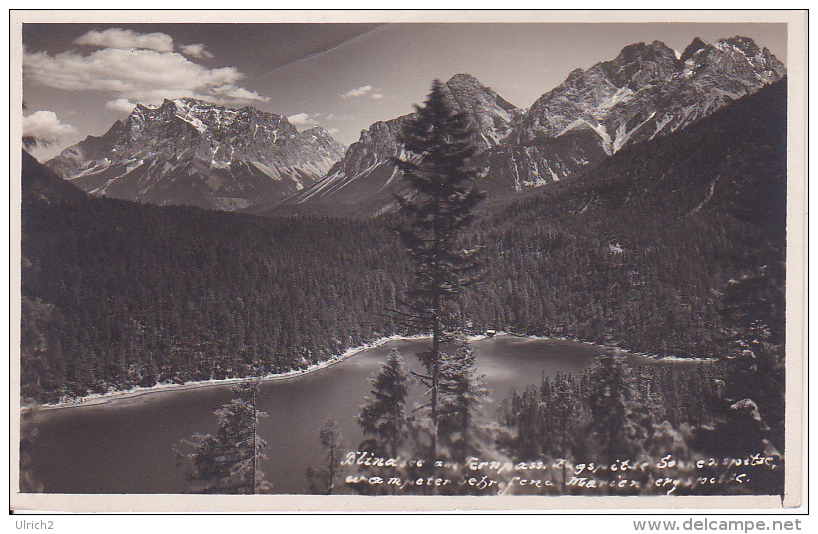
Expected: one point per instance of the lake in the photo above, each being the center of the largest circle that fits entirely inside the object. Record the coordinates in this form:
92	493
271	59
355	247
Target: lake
128	445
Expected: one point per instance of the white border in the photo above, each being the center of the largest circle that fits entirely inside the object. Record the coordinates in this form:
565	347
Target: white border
795	291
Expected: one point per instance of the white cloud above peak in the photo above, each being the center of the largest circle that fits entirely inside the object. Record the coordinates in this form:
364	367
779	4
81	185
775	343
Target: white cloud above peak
120	104
137	75
303	119
127	40
46	127
230	91
358	92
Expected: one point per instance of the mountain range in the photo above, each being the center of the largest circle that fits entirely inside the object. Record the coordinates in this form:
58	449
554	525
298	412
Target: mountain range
647	90
196	153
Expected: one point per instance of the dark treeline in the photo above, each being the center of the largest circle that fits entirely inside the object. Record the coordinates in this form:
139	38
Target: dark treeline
550	419
117	294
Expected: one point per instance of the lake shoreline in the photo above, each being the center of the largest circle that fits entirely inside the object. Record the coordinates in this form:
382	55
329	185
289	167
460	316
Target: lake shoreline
112	397
98	399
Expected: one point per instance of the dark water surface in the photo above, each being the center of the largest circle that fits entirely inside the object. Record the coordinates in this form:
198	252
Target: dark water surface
128	445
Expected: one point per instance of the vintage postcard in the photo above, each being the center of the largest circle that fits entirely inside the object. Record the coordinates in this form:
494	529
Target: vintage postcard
359	261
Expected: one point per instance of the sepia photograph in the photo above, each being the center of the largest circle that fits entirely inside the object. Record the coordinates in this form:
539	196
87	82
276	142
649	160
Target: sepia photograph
484	259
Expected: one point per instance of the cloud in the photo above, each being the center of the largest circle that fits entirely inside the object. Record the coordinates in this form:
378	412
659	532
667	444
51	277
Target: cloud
127	40
46	127
146	76
358	91
364	90
196	50
332	131
234	92
303	119
120	104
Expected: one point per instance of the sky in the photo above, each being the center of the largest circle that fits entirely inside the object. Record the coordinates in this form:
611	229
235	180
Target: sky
78	79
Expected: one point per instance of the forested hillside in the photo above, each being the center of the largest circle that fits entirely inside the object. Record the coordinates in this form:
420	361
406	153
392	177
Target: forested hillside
117	293
643	246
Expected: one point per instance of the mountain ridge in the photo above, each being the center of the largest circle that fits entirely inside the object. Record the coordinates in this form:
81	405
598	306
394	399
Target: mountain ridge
193	152
647	90
644	92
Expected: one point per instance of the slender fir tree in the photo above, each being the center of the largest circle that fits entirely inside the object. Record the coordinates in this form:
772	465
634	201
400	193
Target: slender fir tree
463	392
383	416
323	481
228	462
437	205
614	431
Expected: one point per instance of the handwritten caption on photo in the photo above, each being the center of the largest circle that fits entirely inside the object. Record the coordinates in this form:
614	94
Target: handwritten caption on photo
666	475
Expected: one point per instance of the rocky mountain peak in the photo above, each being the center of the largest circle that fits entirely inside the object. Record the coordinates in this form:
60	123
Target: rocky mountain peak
574	75
316	130
644	92
491	114
732	62
644	52
639	64
607	96
464	78
695	45
376	144
366	169
747	46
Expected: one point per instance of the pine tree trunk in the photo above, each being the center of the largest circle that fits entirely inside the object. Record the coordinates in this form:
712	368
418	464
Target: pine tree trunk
255	452
435	377
331	469
436	333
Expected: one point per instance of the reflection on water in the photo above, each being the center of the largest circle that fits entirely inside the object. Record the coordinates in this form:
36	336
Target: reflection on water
128	446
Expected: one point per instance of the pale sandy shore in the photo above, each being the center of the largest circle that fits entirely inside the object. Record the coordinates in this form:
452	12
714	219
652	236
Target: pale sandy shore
117	396
114	397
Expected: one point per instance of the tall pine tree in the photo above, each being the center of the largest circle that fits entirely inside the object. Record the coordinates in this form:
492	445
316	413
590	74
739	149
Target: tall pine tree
228	462
323	481
437	205
462	395
383	417
613	430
